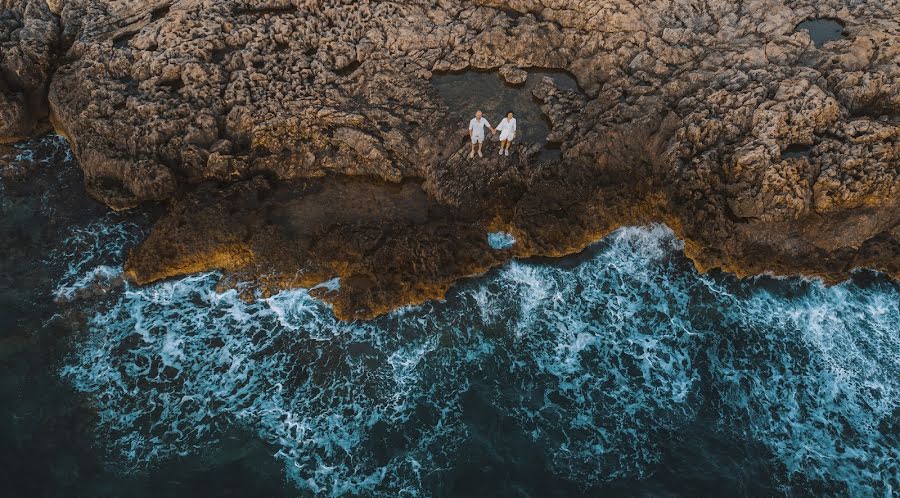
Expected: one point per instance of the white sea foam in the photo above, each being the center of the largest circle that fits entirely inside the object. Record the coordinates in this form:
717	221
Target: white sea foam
101	275
330	285
501	240
817	377
597	364
53	147
92	256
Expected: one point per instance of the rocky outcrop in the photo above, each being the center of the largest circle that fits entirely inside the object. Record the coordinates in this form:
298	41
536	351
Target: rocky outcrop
762	150
29	33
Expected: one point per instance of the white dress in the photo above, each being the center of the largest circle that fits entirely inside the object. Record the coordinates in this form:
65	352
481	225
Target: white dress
507	129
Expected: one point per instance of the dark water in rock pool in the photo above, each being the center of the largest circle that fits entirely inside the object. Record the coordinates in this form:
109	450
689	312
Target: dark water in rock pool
823	30
465	93
622	372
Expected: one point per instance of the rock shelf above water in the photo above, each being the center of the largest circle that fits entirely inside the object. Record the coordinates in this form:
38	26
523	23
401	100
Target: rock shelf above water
688	113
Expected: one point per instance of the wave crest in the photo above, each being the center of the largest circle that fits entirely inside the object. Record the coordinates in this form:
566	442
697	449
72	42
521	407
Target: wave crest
597	366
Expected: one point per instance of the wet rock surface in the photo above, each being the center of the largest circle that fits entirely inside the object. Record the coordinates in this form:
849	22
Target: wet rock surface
465	93
250	116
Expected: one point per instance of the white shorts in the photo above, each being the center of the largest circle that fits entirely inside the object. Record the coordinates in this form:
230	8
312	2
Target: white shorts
507	135
477	139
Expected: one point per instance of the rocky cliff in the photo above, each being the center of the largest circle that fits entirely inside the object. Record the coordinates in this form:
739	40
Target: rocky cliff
299	140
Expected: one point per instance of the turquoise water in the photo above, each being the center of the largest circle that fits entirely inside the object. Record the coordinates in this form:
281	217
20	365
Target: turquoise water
621	372
595	366
501	240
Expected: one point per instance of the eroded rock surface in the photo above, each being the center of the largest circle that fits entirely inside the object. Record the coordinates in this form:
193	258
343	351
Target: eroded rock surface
29	36
687	112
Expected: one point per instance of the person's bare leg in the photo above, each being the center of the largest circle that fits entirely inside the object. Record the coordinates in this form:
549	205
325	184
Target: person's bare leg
472	154
480	145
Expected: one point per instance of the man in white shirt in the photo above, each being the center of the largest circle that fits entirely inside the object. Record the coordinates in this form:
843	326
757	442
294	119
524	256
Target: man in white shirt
476	132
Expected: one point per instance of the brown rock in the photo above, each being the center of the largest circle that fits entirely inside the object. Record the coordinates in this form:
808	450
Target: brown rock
761	150
29	34
513	76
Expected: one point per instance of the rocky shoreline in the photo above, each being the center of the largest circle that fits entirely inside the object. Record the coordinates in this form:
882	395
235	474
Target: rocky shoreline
299	141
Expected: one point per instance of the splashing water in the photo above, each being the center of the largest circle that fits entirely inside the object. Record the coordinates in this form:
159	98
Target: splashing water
92	255
597	365
501	240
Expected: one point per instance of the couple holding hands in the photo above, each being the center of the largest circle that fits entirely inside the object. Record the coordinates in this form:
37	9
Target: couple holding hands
507	129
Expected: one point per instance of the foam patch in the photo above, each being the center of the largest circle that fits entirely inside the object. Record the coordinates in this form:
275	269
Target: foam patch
595	364
501	240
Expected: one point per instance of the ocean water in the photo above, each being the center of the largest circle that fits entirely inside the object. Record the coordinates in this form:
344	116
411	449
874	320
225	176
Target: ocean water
619	372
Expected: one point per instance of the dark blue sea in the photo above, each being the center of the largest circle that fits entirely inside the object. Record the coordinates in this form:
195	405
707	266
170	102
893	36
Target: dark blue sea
621	371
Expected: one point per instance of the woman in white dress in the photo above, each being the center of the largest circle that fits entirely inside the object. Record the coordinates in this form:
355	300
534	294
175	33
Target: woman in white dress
507	129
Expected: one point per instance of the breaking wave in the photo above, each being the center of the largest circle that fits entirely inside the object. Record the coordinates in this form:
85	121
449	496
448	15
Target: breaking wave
597	364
